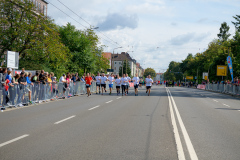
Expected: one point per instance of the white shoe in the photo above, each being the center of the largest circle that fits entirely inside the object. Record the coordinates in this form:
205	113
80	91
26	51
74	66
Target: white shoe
20	105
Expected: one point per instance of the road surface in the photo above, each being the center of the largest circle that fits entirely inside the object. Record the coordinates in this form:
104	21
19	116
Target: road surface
170	124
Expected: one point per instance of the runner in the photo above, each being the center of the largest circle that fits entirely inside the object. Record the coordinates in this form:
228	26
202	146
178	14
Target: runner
146	79
149	82
129	79
111	80
98	84
118	84
124	81
88	81
141	82
136	83
103	80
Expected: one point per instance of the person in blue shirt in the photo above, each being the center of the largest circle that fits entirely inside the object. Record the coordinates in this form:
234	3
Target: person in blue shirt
28	77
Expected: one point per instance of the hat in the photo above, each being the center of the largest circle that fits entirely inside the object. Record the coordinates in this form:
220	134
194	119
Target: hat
54	77
10	69
64	75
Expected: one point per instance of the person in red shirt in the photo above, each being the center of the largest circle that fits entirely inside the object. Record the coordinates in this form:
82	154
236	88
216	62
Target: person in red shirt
88	80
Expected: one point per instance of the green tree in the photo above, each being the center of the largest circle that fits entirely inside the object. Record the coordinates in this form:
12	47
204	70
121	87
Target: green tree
33	35
149	71
83	45
125	63
237	24
224	32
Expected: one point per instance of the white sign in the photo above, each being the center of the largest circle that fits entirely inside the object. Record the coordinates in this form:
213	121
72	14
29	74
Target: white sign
205	75
12	59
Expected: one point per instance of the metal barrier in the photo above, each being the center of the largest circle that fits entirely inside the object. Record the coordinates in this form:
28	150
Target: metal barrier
224	88
20	95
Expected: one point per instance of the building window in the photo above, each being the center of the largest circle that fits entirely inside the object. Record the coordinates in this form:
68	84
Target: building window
39	7
120	63
115	62
43	9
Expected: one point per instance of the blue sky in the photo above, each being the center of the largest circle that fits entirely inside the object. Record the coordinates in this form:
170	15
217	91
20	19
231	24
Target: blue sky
157	31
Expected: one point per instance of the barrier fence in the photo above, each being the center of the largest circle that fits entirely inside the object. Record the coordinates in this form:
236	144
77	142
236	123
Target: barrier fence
224	88
18	94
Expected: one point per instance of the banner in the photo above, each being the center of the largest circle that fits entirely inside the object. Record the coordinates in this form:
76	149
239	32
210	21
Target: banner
229	61
12	59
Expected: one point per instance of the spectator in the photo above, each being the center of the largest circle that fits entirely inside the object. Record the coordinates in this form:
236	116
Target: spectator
23	70
15	79
35	78
41	74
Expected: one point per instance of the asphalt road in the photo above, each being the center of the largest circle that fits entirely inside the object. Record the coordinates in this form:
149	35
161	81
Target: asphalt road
171	123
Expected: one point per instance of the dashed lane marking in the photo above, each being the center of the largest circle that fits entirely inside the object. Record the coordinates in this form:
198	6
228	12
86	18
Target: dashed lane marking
94	108
226	105
13	140
65	119
109	101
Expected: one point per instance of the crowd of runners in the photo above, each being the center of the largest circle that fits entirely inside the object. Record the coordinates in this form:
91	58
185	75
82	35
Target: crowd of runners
122	83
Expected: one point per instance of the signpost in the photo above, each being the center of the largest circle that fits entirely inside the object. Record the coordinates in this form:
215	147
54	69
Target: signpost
12	59
189	77
221	70
205	75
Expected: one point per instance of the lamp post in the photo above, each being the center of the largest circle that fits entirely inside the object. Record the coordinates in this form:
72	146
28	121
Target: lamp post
112	62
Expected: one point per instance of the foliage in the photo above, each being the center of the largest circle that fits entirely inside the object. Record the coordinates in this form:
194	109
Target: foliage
86	56
224	35
125	63
33	35
237	24
149	71
216	54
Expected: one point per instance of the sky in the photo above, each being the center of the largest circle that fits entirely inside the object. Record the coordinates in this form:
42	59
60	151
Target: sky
154	32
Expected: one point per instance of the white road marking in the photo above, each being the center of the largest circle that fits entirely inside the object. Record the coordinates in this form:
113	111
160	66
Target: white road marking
13	140
180	152
215	100
226	105
93	108
109	101
119	97
65	119
239	110
188	142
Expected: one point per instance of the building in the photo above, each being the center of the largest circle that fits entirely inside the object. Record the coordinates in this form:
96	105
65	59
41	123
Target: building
118	60
140	70
108	55
159	77
41	6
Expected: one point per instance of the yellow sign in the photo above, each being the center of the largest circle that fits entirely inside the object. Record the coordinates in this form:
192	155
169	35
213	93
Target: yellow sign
189	77
205	77
221	70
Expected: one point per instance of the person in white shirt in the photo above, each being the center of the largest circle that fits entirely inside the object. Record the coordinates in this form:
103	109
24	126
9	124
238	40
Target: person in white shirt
136	83
149	82
146	79
111	80
124	81
64	83
103	81
129	79
98	84
118	84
